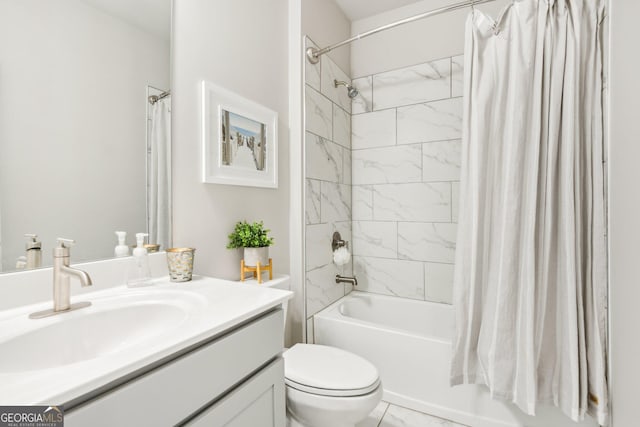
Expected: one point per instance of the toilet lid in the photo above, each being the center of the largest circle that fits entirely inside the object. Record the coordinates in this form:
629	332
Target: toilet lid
328	371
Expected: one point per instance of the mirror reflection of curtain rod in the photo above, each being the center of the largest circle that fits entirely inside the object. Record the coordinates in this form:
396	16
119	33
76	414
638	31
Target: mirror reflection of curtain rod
313	54
155	98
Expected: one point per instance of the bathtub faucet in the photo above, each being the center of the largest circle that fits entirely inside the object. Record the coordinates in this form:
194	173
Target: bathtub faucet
346	279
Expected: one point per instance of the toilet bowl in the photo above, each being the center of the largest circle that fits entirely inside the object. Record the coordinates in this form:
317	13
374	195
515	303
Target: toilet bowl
327	386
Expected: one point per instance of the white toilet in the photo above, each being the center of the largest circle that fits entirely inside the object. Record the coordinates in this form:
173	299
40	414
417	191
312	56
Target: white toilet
327	386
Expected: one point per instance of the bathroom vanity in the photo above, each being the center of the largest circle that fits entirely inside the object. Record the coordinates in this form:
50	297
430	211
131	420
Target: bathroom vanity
206	352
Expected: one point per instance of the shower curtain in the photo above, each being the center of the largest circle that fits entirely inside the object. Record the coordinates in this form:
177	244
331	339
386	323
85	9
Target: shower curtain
531	268
159	194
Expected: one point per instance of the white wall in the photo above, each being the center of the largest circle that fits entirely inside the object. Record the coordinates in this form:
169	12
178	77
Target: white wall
325	23
240	45
624	211
72	125
421	41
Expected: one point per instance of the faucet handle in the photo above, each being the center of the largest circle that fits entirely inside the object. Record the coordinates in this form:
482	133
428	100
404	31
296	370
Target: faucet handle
33	242
65	243
62	250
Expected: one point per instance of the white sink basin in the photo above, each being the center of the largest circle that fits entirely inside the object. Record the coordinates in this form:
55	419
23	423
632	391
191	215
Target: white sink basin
70	355
109	325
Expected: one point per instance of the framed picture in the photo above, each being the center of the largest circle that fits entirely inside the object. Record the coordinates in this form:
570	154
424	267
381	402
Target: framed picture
239	140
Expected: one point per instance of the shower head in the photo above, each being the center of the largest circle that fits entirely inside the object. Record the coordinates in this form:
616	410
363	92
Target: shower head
352	92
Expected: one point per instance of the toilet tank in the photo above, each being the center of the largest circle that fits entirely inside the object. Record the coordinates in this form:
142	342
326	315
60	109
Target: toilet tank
279	281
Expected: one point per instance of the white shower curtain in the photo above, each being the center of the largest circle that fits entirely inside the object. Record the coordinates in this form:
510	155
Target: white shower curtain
159	193
531	268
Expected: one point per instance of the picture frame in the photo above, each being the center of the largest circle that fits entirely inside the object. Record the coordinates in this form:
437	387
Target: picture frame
239	139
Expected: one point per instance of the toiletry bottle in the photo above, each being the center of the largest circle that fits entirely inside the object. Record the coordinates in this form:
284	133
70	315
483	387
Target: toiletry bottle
122	249
139	273
34	251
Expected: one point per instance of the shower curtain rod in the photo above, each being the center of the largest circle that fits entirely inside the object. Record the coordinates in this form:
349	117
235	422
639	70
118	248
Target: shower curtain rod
313	54
155	98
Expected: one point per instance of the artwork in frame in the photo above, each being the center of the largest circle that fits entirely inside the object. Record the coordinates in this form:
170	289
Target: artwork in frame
239	140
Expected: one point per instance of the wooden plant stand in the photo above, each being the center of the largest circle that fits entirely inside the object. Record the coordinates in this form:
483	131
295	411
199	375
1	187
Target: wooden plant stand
257	270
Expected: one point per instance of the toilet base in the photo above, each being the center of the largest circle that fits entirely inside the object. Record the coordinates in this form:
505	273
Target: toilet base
312	410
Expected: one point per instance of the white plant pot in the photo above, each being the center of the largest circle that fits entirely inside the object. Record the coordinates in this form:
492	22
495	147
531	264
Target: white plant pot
254	255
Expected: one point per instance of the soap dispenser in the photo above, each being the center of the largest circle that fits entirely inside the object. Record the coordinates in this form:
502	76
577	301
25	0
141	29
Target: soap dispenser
34	251
139	273
122	249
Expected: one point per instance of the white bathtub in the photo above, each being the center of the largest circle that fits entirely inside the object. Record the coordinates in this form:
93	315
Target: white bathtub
410	343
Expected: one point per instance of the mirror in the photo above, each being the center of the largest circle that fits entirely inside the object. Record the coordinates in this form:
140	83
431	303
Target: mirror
83	152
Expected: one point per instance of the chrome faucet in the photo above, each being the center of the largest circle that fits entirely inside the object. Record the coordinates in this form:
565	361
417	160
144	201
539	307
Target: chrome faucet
61	281
346	279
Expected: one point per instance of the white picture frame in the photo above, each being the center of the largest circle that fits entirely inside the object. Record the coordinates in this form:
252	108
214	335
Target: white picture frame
239	140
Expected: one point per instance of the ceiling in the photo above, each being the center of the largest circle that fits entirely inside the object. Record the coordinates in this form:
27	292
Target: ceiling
152	16
358	9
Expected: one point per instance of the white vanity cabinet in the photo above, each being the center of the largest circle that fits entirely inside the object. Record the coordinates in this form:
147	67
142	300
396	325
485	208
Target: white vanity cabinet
233	379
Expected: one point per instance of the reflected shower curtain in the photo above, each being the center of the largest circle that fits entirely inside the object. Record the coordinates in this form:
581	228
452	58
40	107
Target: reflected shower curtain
159	203
531	268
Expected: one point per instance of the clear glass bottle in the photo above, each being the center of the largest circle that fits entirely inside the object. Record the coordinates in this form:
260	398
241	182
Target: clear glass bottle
139	273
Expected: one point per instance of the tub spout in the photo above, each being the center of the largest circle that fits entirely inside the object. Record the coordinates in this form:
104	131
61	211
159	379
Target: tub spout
346	279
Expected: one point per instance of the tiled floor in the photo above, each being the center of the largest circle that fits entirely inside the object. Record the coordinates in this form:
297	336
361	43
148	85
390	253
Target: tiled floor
387	415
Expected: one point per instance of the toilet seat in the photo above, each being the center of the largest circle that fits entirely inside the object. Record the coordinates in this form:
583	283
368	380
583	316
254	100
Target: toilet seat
331	392
329	371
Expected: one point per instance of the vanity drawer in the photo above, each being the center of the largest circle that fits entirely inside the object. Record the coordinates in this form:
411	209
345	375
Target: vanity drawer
172	392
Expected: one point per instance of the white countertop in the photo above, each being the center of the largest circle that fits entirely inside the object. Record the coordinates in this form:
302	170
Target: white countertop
222	305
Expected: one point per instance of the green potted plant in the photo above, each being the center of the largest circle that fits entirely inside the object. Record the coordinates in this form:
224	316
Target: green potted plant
255	241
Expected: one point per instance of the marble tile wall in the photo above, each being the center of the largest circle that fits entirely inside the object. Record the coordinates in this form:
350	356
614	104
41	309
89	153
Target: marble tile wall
328	192
405	157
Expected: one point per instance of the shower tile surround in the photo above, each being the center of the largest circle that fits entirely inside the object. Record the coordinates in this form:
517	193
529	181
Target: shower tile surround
406	129
382	170
328	182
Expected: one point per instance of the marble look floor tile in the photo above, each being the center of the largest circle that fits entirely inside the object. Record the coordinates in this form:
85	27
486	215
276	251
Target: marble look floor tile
324	159
412	85
432	121
422	201
311	71
312	202
457	74
390	276
328	73
438	282
318	113
341	127
423	241
373	419
395	164
441	161
397	416
363	103
377	239
377	129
